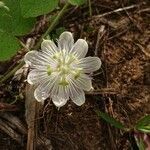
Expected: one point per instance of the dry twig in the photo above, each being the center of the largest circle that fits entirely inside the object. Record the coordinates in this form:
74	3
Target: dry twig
13	127
100	34
116	11
32	113
4	126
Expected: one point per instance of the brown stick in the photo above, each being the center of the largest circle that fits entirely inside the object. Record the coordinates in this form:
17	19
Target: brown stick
4	126
116	11
100	34
13	126
14	121
31	105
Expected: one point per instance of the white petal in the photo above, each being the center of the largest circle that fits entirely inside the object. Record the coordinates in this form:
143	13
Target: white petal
80	48
36	76
29	56
77	95
59	101
35	58
89	64
60	95
83	82
43	91
79	100
39	60
65	41
49	47
60	91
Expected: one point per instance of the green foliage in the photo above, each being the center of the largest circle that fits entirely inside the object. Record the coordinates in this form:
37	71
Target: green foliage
56	34
8	45
17	18
143	124
2	5
34	8
140	144
12	24
110	120
5	20
19	25
77	2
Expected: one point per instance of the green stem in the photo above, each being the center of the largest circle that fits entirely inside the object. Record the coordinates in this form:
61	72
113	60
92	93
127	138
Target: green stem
90	8
53	24
9	74
51	27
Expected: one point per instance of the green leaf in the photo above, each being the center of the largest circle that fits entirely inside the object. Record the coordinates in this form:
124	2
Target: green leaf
143	124
77	2
145	129
34	8
2	5
19	25
143	121
110	120
56	34
9	45
12	24
5	20
140	143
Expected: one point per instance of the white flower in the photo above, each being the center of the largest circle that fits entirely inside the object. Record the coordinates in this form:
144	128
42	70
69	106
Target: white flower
61	72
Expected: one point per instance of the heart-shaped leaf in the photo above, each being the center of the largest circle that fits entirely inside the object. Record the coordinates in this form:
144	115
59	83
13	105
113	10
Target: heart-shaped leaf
34	8
19	25
8	45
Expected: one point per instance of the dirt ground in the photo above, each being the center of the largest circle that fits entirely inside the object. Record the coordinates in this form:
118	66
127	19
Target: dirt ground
121	87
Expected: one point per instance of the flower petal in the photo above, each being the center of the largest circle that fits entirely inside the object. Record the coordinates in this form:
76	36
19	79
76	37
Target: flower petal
60	95
39	60
76	94
65	41
59	101
80	48
79	100
36	76
43	91
49	48
29	56
89	64
83	82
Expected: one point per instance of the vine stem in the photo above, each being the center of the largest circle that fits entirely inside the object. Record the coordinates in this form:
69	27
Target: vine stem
52	25
9	74
50	28
90	8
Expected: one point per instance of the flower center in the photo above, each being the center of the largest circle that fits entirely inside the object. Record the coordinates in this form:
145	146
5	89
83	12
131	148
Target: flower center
65	67
64	61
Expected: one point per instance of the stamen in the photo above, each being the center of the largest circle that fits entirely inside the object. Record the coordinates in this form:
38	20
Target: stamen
71	59
64	61
77	73
64	69
63	81
57	55
49	70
